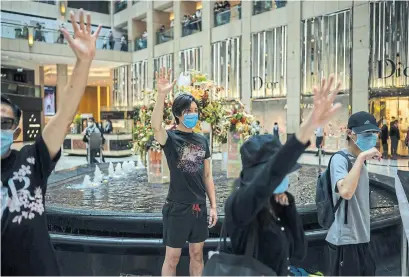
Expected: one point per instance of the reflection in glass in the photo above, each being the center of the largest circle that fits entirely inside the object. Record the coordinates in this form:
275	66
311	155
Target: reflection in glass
224	16
389	38
120	5
226	71
120	86
269	63
164	35
190	59
139	81
326	49
165	61
261	6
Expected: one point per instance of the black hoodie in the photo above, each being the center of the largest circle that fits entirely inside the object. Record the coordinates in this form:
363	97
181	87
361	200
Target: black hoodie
280	238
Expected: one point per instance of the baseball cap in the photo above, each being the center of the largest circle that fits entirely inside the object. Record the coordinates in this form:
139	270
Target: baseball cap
362	122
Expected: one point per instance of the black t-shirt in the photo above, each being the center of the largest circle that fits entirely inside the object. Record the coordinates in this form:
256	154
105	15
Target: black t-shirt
26	248
185	154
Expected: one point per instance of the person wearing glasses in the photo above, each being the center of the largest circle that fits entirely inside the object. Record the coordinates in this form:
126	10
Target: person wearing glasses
26	248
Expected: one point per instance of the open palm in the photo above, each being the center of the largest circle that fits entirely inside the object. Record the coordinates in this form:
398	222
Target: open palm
162	81
324	107
84	42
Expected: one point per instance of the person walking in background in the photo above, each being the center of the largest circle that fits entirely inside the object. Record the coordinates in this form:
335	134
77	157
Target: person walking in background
276	130
105	42
92	128
111	40
319	140
348	237
384	139
395	137
108	127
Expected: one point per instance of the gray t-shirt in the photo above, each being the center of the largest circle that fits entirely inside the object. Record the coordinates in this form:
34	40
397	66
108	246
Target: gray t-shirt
358	228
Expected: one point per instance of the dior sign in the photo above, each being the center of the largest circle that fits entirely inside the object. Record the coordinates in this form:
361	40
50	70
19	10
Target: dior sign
258	83
395	69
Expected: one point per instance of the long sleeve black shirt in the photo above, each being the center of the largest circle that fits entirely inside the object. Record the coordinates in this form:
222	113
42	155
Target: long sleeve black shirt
283	238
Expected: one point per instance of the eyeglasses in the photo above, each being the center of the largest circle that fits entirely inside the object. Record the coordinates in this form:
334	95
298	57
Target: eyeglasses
8	123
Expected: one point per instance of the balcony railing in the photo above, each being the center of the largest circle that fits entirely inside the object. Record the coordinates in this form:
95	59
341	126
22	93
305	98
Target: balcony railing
141	43
52	36
46	2
191	27
265	6
164	36
20	89
120	5
224	17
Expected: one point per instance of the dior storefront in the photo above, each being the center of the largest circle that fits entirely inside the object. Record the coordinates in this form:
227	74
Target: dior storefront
389	65
326	49
190	59
269	80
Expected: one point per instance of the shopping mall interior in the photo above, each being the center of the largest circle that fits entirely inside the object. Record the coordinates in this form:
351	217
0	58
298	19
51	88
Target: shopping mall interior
262	58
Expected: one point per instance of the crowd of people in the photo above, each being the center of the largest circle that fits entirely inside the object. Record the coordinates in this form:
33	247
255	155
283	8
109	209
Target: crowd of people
221	10
192	23
260	206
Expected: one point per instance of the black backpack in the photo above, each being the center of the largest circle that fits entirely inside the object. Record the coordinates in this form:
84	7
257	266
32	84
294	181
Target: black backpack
323	196
225	264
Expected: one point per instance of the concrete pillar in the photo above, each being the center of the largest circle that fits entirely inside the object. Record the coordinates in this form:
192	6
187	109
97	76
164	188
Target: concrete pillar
112	13
39	81
360	56
151	41
178	13
207	20
246	14
294	11
62	80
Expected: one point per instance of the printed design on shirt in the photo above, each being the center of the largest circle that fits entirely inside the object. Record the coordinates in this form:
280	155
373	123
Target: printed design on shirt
22	201
191	157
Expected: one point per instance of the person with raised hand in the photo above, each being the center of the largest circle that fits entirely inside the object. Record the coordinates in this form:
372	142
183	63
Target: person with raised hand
262	202
188	156
26	246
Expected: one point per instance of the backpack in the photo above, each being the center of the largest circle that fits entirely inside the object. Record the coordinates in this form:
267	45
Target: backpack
225	264
323	196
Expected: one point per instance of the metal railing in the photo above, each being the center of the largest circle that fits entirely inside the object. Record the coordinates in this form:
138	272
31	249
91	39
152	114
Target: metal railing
164	36
265	6
141	43
53	36
226	16
21	89
191	27
120	5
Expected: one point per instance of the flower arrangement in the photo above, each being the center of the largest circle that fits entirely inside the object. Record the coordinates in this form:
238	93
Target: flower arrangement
242	124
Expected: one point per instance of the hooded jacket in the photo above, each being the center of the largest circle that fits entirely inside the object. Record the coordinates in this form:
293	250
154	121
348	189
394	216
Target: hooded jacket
280	238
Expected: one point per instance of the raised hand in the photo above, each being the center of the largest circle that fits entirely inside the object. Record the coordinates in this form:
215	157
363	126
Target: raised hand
324	107
162	81
84	43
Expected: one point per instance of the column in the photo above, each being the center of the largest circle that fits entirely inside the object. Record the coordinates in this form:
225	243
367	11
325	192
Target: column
246	14
39	81
98	103
62	80
360	56
207	23
151	41
293	66
177	34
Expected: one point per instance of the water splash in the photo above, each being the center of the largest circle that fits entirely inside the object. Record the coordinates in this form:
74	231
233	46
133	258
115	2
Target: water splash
111	170
118	169
98	176
87	181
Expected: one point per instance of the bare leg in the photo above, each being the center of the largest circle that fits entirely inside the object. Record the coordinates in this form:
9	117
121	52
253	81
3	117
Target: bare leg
172	257
196	258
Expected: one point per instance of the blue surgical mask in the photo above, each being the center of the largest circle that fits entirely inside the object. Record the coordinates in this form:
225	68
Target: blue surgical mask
366	141
190	120
6	140
283	186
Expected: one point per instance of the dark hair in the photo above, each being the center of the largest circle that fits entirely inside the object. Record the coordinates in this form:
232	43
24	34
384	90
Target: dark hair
275	123
91	119
15	108
181	104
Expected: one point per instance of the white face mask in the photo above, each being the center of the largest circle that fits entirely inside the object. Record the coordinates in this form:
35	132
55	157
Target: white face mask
90	124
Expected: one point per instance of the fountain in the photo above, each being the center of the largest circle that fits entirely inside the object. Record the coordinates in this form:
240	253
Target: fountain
87	181
123	220
111	171
98	176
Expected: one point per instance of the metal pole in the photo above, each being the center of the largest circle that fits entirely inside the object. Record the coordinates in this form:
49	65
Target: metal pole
319	161
404	254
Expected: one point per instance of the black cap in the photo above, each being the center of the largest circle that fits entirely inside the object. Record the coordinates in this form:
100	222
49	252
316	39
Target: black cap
256	151
362	122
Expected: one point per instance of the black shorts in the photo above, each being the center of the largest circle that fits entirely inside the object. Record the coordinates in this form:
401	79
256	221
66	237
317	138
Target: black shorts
350	260
318	141
184	222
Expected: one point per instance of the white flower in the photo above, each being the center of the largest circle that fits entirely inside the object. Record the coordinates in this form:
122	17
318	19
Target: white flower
26	169
31	160
17	176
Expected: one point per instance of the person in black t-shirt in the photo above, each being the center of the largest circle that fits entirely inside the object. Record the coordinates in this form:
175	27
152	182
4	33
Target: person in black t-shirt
188	156
26	247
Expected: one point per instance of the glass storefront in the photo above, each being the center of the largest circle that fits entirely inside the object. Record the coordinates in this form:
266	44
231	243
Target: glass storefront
327	49
165	61
226	67
269	63
139	81
120	87
389	65
190	59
